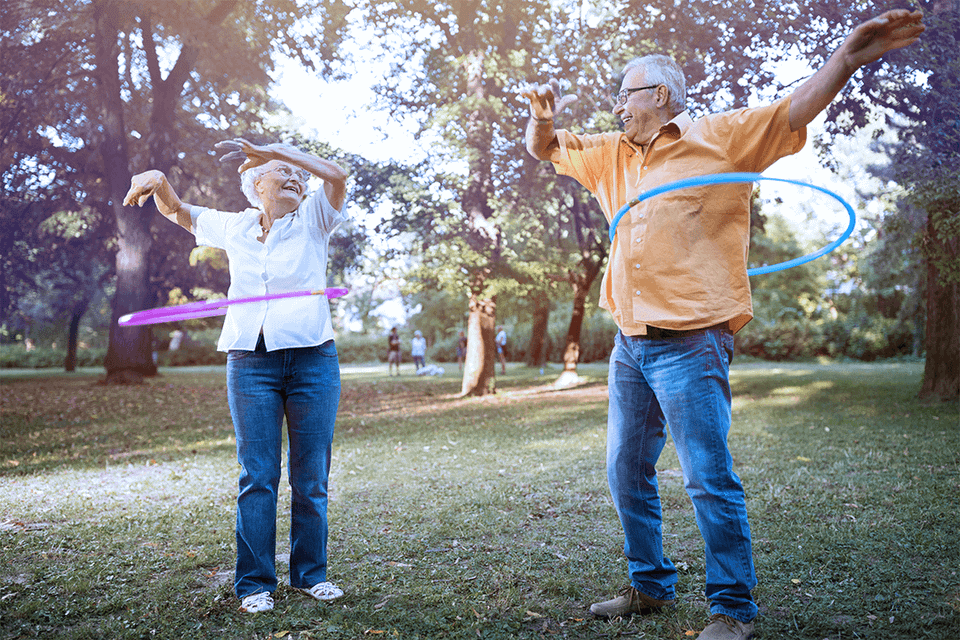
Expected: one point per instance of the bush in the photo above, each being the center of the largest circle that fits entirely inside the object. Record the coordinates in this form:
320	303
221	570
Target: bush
191	355
356	347
14	356
596	339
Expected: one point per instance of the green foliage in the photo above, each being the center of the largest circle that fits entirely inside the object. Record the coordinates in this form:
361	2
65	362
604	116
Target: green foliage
355	347
14	356
596	337
191	355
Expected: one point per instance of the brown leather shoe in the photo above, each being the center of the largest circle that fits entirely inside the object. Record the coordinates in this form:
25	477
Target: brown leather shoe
627	603
723	627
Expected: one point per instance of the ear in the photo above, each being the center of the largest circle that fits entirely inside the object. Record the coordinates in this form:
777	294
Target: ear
663	96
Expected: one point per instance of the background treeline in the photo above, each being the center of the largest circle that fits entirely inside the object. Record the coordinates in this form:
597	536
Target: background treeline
479	235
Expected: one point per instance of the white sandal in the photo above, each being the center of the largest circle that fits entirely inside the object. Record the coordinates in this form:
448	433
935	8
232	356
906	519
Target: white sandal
324	591
257	602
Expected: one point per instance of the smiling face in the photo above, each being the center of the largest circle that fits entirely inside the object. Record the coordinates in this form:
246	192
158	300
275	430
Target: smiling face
642	112
281	187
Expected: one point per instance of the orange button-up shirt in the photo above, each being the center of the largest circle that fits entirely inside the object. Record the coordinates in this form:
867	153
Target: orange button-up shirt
679	260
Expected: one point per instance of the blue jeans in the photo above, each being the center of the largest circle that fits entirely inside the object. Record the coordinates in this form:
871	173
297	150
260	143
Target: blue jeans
683	382
302	384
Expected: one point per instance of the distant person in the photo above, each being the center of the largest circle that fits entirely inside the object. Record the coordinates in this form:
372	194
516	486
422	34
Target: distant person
281	357
393	351
176	338
418	350
677	287
461	349
501	341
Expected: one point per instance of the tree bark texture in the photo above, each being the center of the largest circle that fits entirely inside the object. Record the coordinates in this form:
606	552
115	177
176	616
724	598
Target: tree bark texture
941	373
479	366
537	351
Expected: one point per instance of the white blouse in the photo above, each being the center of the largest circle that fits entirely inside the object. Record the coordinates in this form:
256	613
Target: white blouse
293	258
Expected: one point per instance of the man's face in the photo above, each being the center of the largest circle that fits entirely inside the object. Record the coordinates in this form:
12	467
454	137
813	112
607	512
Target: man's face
639	111
282	183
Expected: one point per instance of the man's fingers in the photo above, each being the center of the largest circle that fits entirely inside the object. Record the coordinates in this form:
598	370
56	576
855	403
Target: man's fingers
566	100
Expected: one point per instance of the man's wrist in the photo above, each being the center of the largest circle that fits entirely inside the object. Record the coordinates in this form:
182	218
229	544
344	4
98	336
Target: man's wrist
544	120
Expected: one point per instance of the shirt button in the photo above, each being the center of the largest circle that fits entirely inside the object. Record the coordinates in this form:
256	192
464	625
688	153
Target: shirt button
637	265
638	293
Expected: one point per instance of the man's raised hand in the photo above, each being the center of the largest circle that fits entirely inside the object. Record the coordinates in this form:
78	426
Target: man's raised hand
543	102
872	39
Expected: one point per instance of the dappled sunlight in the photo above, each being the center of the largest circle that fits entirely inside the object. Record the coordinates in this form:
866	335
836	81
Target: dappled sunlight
142	490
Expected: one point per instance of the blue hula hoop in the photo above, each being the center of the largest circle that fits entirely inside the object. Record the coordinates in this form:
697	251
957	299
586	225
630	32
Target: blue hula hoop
726	178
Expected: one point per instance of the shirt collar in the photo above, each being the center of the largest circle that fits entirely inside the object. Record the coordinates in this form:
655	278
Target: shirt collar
678	126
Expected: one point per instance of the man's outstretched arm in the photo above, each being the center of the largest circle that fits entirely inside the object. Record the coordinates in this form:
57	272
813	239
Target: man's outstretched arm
865	44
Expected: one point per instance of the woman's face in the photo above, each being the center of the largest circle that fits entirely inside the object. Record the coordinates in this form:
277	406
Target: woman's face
281	187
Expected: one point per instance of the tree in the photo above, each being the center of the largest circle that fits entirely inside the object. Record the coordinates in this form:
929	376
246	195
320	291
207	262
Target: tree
919	89
133	85
455	64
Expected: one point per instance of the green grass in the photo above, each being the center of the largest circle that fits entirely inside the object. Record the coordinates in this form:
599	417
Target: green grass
472	518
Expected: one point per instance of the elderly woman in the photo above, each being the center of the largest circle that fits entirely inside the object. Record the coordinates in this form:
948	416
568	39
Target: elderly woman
281	356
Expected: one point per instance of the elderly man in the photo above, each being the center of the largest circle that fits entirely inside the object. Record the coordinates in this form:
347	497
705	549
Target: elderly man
677	287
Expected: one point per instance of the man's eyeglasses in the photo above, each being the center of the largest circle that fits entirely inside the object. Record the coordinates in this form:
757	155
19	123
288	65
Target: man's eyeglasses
624	94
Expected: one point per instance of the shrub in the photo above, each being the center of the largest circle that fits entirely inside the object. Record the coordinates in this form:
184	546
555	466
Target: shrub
14	356
191	355
356	347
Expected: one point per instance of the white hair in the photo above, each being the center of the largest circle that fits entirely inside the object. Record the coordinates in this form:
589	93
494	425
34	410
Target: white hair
660	69
248	183
248	179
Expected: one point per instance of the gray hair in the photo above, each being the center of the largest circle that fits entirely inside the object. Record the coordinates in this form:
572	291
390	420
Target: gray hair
248	179
660	69
248	184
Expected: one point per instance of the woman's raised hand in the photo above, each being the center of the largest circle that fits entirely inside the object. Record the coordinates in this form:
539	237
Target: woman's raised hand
142	186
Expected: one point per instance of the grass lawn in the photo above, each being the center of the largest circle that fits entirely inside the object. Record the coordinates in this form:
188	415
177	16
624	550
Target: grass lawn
473	518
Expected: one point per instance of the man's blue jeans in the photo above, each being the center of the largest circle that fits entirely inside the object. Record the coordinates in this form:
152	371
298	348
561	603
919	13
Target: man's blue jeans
682	382
302	384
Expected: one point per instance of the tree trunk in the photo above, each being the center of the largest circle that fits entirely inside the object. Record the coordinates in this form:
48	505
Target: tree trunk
592	255
941	373
479	366
537	351
70	364
479	371
571	351
129	355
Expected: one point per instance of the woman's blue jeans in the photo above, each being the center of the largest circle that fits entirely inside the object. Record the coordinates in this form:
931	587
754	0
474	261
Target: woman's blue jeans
302	384
682	382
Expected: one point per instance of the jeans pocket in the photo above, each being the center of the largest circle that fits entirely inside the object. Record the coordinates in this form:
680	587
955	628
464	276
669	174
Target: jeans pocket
328	349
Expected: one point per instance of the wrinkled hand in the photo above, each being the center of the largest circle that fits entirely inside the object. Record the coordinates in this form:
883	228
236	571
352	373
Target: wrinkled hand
891	30
543	102
142	186
251	154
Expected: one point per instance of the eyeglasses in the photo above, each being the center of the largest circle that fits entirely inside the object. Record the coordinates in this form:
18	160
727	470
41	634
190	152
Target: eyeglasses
287	172
624	94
